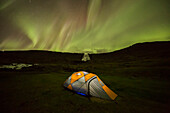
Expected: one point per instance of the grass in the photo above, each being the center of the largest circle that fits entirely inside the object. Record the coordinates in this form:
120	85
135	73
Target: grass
44	93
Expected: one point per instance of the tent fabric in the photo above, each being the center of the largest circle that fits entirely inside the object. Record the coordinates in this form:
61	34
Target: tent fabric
89	84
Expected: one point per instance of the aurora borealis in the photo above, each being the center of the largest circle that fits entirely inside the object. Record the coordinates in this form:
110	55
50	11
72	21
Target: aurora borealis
82	25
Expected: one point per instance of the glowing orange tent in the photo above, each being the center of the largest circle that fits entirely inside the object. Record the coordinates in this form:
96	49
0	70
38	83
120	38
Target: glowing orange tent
89	84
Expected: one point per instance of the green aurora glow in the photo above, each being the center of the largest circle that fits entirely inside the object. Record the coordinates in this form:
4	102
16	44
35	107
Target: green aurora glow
82	25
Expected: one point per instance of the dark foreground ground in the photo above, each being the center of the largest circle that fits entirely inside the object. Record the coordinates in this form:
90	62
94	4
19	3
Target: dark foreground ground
138	74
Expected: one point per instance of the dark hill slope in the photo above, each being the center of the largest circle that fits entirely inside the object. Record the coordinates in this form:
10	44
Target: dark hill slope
36	57
144	59
140	51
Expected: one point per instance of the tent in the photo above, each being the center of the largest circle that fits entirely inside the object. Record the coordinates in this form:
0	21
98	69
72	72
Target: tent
85	57
89	84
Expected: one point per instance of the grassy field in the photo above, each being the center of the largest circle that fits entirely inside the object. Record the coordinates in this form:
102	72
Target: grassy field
140	78
44	93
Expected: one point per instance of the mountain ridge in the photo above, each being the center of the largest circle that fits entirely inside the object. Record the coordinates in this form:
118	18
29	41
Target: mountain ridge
136	51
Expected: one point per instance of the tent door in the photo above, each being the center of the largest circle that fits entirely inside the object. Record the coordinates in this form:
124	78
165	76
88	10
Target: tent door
89	85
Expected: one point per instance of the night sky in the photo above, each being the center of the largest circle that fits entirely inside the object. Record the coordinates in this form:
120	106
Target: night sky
82	25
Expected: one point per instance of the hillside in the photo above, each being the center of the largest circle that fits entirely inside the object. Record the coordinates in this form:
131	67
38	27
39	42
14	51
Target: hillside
151	50
137	60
